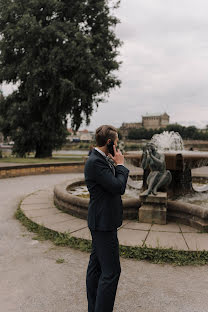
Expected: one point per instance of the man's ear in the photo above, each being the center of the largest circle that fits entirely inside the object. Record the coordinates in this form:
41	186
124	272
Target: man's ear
108	141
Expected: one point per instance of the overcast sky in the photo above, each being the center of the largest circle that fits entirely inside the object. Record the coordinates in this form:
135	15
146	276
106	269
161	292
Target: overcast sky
165	63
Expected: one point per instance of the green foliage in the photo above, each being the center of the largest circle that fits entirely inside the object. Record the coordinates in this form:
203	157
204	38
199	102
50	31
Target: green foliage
60	260
84	146
58	238
32	160
165	255
62	55
186	133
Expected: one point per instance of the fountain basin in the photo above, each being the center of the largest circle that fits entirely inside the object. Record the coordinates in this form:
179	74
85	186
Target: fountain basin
78	206
177	211
188	214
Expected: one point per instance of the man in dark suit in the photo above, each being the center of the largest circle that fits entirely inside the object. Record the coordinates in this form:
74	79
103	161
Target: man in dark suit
106	183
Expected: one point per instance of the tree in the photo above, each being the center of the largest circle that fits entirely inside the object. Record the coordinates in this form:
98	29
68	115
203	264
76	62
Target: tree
62	54
191	133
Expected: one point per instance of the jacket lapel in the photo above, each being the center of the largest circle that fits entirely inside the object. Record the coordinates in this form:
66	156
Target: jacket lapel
105	159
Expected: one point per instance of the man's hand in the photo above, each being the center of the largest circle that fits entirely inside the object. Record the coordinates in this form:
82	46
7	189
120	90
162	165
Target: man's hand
118	158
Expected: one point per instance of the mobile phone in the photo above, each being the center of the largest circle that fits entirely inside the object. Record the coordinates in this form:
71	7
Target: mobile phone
110	148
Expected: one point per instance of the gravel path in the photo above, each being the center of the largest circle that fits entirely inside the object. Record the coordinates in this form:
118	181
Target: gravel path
32	281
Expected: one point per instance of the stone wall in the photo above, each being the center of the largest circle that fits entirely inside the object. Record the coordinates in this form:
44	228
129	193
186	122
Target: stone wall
23	170
151	122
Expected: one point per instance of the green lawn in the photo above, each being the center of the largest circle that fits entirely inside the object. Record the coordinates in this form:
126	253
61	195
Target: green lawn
32	160
69	155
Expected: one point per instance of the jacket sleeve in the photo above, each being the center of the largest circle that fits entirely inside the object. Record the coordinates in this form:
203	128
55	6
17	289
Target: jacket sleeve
104	177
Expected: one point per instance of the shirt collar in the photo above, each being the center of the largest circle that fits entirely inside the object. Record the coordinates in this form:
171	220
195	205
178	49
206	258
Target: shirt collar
101	152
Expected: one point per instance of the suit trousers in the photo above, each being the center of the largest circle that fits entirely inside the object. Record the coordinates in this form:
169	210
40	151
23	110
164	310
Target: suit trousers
103	271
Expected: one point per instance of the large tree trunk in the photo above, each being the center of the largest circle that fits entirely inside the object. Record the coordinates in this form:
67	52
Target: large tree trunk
43	151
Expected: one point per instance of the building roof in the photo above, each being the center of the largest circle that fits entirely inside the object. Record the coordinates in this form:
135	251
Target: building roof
155	115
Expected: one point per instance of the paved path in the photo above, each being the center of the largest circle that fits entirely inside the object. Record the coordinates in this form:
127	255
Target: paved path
32	281
39	207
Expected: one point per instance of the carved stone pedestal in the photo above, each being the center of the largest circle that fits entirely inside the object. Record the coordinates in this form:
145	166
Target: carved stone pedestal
153	208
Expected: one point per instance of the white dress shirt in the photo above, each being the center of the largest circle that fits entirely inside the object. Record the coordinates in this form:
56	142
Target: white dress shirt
104	155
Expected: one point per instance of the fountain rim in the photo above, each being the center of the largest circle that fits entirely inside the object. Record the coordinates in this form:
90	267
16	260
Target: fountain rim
61	190
178	211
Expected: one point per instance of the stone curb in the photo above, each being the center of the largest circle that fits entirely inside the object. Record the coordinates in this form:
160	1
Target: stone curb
41	168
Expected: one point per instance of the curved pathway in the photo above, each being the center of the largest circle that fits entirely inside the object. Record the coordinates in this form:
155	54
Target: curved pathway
40	208
32	281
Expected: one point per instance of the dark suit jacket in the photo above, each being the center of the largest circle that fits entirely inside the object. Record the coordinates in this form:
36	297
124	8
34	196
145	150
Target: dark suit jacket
105	211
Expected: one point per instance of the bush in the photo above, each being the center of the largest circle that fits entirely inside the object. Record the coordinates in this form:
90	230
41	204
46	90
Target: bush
186	133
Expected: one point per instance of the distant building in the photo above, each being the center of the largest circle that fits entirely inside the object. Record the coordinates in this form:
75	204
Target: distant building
80	136
132	125
154	121
85	136
126	126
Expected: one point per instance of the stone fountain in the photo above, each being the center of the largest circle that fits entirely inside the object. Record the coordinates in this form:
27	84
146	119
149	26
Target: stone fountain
178	162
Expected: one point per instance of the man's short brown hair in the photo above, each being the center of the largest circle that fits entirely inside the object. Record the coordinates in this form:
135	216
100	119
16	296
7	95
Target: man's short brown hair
105	132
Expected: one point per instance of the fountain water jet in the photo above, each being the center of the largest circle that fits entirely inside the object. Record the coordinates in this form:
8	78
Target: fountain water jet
168	141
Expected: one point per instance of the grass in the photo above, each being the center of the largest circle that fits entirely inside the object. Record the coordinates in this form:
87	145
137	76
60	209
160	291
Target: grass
77	146
153	255
59	239
60	260
69	155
